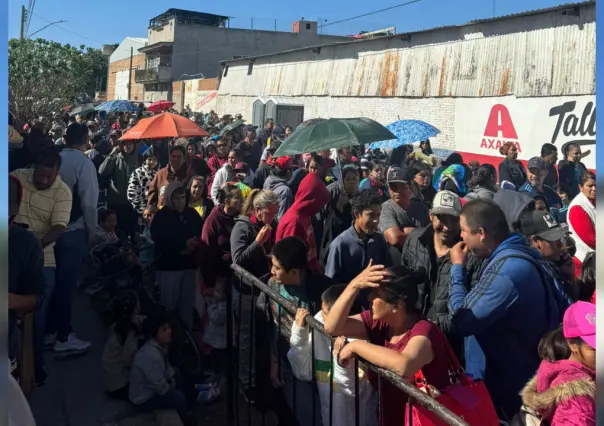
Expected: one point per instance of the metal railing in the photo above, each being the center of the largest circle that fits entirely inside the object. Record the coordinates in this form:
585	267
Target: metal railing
242	276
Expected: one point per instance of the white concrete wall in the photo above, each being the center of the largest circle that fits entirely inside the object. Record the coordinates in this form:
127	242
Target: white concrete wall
123	50
462	121
439	112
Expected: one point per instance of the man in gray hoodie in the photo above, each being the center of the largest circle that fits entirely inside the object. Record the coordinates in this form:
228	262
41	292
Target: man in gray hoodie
281	172
118	167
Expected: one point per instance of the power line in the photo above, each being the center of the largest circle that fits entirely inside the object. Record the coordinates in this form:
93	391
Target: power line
32	5
67	30
371	13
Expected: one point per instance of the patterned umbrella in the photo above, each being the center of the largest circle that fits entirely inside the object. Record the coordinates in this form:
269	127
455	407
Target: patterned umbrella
406	132
117	106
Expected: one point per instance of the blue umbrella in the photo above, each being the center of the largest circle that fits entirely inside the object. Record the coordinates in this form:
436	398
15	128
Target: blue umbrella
117	106
407	132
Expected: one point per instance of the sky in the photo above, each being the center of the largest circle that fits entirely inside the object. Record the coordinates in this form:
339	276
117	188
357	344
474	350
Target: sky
110	21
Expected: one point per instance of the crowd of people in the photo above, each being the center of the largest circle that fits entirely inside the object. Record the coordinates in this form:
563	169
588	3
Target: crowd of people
407	260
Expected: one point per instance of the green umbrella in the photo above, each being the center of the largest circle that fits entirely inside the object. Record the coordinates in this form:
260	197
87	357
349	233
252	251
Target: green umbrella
82	109
231	126
319	134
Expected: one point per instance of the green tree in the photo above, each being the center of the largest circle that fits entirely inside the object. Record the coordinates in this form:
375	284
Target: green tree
45	76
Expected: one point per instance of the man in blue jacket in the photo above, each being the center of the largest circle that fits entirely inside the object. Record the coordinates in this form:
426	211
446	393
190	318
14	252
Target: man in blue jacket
510	308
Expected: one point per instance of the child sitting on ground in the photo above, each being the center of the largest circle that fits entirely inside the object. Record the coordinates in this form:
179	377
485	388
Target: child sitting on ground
300	358
122	344
152	378
105	230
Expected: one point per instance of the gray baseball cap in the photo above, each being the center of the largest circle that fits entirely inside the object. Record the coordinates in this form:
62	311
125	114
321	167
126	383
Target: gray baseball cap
446	202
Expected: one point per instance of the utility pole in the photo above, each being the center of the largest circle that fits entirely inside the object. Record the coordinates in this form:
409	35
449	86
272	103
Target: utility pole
130	73
23	16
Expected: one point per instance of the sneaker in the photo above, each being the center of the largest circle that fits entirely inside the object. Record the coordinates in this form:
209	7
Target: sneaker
72	344
209	395
205	386
249	395
50	340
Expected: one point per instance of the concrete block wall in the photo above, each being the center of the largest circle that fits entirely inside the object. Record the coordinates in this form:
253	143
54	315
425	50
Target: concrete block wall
439	112
137	90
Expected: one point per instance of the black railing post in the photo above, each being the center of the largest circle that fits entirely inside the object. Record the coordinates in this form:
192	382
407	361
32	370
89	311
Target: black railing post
314	377
413	394
231	376
251	356
357	408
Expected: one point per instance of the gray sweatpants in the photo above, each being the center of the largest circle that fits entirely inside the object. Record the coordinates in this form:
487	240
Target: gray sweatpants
177	293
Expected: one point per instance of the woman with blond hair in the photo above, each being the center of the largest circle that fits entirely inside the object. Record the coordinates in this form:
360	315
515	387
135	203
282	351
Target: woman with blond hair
252	240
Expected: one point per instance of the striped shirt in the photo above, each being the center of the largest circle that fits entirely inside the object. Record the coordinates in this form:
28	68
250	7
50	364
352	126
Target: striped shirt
41	210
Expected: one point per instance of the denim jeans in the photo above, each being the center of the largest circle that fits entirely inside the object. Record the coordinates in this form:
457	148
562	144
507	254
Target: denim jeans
70	251
41	317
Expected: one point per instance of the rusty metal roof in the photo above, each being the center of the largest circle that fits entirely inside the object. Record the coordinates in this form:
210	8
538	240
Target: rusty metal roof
428	30
554	56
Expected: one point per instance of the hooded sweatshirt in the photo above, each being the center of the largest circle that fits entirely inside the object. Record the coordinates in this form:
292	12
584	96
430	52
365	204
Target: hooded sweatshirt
161	180
118	168
507	311
513	204
563	393
170	231
285	195
246	251
480	192
216	245
312	196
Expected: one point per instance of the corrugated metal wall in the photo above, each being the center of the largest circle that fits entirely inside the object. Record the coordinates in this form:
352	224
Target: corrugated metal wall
552	54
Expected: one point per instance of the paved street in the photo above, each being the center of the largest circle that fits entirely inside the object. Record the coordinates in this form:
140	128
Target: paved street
73	395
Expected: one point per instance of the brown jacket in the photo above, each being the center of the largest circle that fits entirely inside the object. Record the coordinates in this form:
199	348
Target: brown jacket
162	178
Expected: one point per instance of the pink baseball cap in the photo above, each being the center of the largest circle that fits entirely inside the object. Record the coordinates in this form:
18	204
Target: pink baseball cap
580	321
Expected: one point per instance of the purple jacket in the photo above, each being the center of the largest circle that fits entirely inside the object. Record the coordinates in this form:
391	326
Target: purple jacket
563	393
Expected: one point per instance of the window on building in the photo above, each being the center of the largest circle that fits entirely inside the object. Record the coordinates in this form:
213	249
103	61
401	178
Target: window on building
226	71
250	67
308	26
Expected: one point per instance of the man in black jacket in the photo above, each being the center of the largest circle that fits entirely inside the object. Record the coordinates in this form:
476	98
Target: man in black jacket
429	248
265	133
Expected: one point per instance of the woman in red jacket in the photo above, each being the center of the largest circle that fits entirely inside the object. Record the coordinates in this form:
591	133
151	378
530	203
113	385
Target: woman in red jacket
582	219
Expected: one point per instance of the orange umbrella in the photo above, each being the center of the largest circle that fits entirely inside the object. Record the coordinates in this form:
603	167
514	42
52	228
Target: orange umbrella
164	125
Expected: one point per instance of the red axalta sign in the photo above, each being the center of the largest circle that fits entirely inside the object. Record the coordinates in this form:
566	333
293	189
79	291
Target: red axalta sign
500	129
207	99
